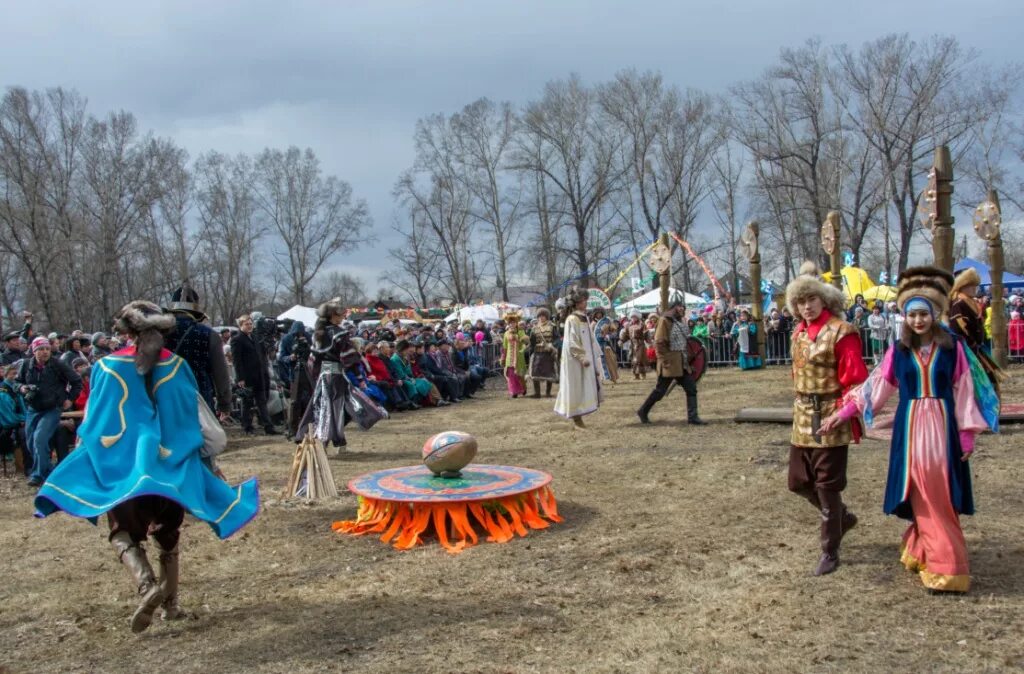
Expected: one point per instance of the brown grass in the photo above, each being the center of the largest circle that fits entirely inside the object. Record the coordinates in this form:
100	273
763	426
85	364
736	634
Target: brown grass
681	551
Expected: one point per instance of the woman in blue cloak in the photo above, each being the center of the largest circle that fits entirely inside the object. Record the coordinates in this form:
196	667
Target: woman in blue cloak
139	460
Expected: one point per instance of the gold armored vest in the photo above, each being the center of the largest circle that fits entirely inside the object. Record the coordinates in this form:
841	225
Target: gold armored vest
816	381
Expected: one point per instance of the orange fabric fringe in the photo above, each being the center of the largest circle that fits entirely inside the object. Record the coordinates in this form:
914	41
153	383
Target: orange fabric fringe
405	524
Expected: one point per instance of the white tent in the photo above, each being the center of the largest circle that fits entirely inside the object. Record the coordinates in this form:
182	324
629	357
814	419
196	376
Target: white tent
488	313
650	301
300	313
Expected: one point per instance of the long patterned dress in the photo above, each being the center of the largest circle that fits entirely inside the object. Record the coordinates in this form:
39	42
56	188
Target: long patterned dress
513	360
944	396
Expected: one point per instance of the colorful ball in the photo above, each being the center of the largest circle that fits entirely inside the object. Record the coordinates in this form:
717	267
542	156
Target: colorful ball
448	452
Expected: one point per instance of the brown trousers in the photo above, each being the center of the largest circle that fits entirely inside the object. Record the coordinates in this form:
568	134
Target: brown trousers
812	469
145	516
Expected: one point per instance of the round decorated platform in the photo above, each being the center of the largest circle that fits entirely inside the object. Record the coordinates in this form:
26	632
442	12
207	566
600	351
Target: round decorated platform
406	505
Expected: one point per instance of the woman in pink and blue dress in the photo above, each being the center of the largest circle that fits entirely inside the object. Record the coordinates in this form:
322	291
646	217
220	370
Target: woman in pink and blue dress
945	399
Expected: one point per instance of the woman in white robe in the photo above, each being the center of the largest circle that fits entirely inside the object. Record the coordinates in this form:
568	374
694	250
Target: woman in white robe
581	388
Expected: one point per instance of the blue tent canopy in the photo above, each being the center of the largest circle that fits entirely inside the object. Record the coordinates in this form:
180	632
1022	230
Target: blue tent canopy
1009	280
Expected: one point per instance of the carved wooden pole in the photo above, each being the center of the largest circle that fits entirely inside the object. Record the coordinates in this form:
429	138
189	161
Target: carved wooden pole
833	218
663	278
995	262
942	229
756	301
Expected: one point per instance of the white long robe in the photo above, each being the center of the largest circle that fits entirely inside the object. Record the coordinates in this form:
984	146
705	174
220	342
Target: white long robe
580	389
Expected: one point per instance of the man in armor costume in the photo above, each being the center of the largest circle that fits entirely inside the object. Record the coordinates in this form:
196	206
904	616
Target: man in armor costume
827	362
670	339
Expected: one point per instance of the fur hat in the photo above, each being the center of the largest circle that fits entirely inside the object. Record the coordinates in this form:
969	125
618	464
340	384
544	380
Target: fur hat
148	324
809	284
968	277
512	316
139	316
185	300
929	282
576	295
328	309
543	311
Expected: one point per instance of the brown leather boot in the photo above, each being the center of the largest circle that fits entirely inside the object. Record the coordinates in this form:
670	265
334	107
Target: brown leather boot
134	559
169	609
831	531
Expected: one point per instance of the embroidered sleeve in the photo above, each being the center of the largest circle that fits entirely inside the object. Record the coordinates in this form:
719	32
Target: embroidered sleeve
879	386
976	402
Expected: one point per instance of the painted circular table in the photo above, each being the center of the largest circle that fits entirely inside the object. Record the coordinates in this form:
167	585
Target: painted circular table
407	504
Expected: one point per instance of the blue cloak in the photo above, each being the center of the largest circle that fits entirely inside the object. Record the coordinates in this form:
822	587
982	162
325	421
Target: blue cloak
127	449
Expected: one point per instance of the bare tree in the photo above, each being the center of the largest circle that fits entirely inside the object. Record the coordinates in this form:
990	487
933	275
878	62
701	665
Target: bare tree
789	123
988	163
484	133
564	141
435	194
345	288
314	216
415	262
726	183
228	235
906	98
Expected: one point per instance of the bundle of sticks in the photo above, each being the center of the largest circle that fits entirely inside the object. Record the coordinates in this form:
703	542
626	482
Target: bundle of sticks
311	476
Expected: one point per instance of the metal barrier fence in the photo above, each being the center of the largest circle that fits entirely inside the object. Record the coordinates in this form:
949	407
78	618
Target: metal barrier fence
723	352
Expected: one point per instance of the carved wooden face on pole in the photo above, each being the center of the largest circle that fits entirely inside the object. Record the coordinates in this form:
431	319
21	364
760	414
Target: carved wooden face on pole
926	203
987	221
828	237
748	242
660	258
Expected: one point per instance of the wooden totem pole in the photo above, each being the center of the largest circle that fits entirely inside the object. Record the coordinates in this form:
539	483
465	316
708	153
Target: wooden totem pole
987	223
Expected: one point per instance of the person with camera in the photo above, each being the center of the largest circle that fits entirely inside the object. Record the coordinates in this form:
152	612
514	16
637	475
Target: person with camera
16	341
252	376
49	387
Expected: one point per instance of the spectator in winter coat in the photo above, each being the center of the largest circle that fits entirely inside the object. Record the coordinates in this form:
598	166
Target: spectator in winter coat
12	415
252	375
1015	330
878	330
100	346
49	387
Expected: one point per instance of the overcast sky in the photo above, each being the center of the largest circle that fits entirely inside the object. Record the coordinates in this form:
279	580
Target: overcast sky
350	79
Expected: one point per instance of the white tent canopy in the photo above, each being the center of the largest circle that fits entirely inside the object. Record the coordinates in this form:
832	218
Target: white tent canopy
300	313
650	301
488	313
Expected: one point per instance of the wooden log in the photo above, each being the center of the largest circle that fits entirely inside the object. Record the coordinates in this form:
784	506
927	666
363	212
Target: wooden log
765	415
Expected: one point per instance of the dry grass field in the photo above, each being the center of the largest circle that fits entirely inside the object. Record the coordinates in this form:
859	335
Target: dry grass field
681	550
